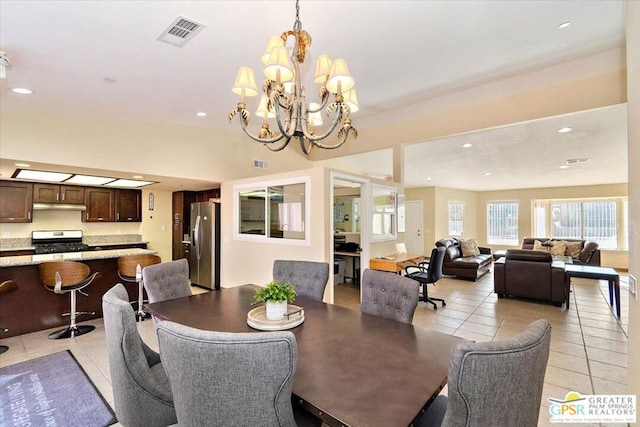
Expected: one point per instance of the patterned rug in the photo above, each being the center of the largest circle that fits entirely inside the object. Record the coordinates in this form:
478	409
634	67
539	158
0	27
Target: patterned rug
51	390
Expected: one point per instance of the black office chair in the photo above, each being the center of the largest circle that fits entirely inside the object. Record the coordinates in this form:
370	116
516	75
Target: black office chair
428	272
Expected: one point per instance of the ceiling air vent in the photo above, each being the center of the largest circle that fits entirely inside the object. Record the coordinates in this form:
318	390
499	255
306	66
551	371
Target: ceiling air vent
576	161
260	164
180	31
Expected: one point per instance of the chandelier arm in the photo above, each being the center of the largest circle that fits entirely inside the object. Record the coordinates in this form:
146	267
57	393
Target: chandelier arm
314	138
282	147
260	140
332	147
278	110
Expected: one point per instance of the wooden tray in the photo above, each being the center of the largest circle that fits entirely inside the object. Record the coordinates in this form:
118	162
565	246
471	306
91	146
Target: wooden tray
257	319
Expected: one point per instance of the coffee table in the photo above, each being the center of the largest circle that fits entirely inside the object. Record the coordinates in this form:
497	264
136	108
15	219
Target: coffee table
598	273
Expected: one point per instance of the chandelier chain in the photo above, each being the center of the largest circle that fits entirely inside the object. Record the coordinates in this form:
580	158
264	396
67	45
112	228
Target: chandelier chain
297	26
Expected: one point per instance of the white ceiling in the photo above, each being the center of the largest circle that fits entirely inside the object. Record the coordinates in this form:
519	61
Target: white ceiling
401	53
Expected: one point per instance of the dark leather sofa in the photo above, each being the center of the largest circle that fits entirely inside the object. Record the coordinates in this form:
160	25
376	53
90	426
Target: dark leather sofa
589	253
530	274
470	267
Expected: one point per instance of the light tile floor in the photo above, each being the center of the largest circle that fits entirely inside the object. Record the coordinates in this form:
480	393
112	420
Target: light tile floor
588	344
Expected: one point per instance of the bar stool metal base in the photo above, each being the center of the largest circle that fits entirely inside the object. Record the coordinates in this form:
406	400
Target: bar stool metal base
141	315
71	332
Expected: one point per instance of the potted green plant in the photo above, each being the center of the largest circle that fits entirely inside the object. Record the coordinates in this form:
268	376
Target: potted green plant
276	295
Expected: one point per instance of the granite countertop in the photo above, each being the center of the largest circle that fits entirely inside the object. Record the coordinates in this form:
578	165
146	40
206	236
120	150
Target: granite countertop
14	261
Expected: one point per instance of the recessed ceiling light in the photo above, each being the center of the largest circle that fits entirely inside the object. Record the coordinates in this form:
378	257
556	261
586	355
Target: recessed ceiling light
487	174
564	130
21	91
563	167
467	145
429	178
138	176
201	114
22	165
564	25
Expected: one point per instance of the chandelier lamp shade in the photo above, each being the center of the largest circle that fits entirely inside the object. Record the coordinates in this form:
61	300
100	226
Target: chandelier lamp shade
284	98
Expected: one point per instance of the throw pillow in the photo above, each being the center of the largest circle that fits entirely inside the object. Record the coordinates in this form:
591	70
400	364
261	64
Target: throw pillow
537	246
469	247
573	249
558	249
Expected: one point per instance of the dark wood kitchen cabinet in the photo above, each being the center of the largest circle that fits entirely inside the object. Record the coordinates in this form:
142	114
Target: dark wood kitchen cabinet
181	208
54	193
16	201
128	205
100	203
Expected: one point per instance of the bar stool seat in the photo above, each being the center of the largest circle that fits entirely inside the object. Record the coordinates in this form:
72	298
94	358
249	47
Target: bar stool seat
6	287
130	270
68	277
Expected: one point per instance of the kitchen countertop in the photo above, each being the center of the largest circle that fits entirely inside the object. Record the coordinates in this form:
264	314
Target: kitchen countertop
14	261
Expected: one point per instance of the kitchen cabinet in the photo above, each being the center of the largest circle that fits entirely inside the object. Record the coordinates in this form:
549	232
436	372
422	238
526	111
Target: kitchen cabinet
128	205
112	205
16	201
181	211
56	193
100	203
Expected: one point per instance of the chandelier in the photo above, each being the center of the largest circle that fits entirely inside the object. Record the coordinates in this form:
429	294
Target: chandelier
284	96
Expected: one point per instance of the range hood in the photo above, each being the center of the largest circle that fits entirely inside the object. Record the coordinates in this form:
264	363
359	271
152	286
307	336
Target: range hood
58	207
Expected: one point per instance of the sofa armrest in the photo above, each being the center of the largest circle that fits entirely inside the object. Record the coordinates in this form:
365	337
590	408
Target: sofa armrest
595	258
484	250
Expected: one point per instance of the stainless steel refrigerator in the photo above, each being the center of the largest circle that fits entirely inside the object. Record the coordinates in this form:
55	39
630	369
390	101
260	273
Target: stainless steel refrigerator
204	251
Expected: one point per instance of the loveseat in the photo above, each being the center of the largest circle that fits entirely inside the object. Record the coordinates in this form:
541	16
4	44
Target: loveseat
580	251
467	265
530	274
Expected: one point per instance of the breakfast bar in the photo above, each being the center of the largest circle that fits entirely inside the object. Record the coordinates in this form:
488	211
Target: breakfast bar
34	308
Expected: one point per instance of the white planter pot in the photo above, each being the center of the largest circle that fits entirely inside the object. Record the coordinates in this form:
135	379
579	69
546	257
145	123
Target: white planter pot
276	310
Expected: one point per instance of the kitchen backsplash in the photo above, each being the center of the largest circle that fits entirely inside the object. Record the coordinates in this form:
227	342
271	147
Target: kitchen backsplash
110	239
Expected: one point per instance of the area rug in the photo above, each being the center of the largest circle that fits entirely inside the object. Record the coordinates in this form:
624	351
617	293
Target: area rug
51	390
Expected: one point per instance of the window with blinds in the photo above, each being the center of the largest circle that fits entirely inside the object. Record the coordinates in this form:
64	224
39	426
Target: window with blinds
456	218
598	220
502	223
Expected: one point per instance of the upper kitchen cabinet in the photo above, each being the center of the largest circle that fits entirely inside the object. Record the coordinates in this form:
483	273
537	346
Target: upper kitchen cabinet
206	195
54	193
100	203
128	205
16	201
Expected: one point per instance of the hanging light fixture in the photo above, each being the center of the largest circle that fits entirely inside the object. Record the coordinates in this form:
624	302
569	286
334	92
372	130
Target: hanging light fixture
284	95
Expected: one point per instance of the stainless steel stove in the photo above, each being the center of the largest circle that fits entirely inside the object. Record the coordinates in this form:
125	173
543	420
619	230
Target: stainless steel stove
58	241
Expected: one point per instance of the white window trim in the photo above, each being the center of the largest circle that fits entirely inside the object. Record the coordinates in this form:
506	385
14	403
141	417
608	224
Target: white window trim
394	225
517	243
237	189
449	203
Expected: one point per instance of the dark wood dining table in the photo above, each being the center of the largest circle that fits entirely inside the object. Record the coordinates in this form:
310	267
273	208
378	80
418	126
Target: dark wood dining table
354	369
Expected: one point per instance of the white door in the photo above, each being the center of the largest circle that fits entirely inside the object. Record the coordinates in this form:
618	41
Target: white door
413	227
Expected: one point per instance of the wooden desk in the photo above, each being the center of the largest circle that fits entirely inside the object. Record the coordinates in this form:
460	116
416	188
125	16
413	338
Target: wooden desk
396	262
354	369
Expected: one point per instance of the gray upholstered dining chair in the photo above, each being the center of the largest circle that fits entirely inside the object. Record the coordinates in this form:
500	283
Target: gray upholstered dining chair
497	383
389	295
167	280
141	387
229	379
309	278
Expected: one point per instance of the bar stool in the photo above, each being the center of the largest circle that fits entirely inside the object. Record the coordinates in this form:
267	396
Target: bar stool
130	270
6	287
68	276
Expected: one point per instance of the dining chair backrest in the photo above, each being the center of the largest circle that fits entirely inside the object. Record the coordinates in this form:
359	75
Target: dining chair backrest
309	278
496	383
229	379
389	295
167	280
141	389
